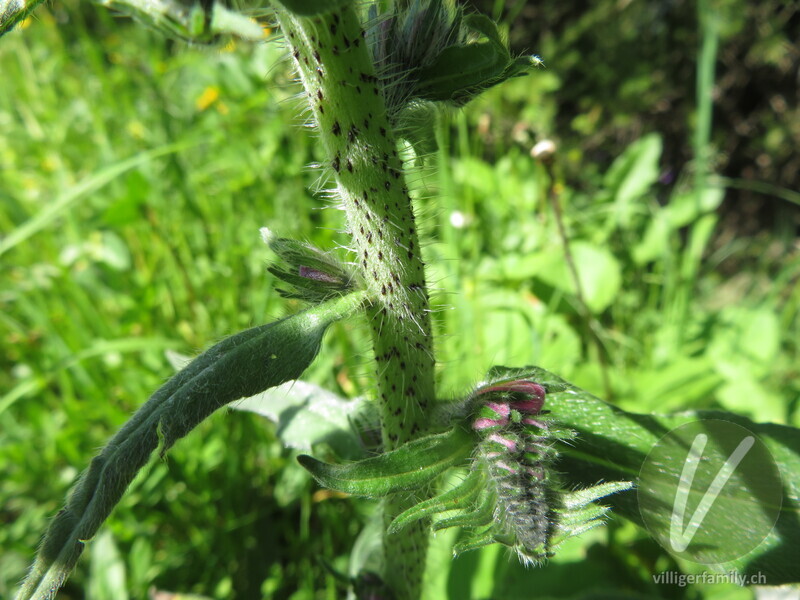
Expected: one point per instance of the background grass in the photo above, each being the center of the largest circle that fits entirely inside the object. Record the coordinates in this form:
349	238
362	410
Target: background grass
134	175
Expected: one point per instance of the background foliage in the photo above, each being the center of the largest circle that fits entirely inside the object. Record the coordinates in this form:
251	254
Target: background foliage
135	173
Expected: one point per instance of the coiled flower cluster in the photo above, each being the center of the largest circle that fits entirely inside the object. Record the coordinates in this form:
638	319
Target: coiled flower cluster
512	494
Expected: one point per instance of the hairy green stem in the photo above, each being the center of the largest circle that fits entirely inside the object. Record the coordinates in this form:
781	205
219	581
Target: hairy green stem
347	104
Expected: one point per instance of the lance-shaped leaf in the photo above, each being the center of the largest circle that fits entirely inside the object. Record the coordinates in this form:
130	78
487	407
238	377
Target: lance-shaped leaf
241	365
409	467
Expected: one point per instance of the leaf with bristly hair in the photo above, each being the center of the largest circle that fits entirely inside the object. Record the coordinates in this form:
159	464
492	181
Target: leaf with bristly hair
241	365
409	467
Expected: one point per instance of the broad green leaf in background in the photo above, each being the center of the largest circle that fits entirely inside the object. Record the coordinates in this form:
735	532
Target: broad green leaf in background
631	175
598	269
108	570
599	273
307	414
682	210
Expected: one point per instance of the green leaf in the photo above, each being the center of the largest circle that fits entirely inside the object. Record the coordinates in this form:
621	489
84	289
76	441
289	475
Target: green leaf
632	175
407	468
612	444
307	414
598	269
107	570
241	365
461	72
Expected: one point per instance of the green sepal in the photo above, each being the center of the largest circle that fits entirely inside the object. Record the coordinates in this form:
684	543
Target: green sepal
409	467
309	8
461	72
241	365
582	497
461	496
482	515
479	539
570	521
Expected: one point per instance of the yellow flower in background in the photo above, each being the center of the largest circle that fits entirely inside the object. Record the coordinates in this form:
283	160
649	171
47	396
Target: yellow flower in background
209	96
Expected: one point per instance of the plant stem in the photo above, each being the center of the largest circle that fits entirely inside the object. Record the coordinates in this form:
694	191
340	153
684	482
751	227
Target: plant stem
347	104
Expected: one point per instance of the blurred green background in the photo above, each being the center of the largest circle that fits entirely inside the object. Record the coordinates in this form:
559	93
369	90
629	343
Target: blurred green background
135	173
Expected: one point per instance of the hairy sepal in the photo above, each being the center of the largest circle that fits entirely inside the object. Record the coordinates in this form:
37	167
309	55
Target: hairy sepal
459	497
409	467
241	365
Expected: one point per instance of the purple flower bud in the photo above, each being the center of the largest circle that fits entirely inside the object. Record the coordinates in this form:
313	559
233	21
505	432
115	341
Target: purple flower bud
316	275
511	445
